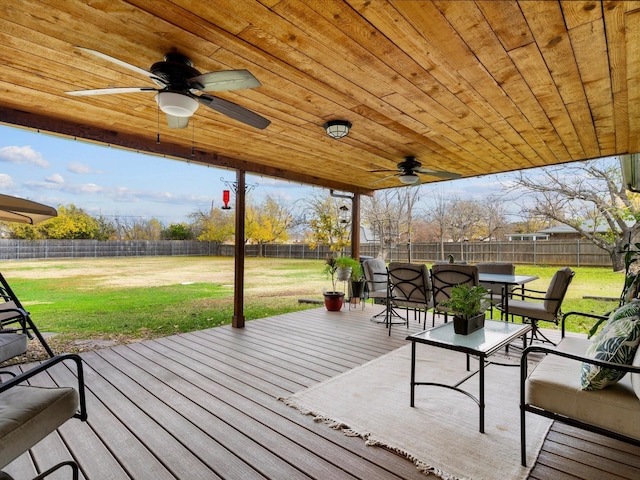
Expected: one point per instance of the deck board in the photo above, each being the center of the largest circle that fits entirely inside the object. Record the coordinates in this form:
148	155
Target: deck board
205	405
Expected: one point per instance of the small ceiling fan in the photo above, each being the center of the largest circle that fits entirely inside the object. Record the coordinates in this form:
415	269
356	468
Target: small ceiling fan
408	170
180	86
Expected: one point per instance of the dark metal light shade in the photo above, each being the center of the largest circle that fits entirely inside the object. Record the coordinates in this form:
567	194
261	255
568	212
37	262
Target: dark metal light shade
337	128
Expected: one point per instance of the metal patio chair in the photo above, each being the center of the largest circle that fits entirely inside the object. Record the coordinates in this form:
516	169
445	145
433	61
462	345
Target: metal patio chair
16	325
28	414
536	305
444	276
410	288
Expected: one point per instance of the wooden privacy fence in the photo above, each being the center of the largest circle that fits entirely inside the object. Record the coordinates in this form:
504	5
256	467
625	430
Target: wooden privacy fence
572	253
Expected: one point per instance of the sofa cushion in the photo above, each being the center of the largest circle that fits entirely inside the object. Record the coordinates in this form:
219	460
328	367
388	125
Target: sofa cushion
555	386
617	342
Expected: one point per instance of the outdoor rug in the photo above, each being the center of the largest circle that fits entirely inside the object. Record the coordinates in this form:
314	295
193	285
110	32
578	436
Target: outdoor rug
440	434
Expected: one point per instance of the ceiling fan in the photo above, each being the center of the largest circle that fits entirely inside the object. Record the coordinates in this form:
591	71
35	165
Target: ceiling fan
180	86
410	167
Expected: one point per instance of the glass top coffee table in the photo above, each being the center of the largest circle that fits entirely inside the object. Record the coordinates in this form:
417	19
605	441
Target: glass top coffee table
482	343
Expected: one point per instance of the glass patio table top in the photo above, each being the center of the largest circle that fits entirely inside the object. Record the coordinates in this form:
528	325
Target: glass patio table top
494	335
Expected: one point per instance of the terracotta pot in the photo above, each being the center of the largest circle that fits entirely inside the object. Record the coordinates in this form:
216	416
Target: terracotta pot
333	301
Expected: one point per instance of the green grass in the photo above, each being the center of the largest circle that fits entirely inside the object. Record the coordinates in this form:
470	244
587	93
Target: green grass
100	298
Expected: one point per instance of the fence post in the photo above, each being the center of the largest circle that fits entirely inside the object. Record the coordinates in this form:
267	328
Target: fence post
578	252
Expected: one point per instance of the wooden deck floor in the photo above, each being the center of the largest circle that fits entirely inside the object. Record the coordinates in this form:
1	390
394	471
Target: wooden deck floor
204	405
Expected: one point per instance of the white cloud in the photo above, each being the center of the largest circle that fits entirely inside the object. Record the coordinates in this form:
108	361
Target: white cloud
81	168
22	155
55	178
6	182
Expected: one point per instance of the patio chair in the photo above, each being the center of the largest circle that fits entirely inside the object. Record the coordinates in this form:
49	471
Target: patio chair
502	268
535	305
375	277
16	321
445	276
410	288
28	414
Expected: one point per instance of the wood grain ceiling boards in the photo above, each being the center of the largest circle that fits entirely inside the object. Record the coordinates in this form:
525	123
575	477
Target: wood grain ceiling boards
469	87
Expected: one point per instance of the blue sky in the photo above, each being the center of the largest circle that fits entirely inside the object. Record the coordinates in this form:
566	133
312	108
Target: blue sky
110	181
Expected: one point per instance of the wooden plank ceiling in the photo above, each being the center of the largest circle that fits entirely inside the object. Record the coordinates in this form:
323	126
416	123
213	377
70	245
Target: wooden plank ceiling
468	87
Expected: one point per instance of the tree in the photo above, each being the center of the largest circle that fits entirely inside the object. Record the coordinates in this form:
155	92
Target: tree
384	211
439	211
268	222
177	231
71	223
215	226
586	196
322	217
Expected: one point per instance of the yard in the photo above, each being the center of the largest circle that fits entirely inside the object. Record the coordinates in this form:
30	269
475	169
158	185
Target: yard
101	302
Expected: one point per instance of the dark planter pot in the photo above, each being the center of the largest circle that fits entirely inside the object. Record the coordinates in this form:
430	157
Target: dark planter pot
333	301
357	289
469	325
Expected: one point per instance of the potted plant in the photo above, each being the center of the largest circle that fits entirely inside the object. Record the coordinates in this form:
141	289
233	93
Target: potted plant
355	275
344	267
467	303
333	299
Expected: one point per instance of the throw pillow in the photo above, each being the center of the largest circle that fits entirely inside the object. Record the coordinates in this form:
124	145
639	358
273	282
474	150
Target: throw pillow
625	311
617	342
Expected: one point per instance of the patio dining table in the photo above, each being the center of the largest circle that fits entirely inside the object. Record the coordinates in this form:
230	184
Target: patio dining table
506	281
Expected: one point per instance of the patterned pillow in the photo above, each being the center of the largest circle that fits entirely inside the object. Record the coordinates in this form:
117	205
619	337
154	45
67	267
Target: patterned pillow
627	310
617	342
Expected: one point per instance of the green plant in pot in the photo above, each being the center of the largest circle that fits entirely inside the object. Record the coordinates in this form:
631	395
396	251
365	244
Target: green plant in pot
468	304
333	299
356	275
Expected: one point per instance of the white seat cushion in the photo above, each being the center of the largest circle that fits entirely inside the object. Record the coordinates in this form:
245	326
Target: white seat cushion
555	386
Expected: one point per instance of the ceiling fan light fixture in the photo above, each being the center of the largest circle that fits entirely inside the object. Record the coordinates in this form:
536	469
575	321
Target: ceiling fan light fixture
176	104
337	128
409	178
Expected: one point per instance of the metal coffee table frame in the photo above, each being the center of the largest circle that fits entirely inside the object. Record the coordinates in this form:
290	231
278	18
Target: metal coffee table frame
482	343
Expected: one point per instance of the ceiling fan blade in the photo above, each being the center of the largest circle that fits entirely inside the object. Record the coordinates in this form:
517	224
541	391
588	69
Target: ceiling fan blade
224	80
111	91
380	171
436	173
234	111
177	122
139	70
383	179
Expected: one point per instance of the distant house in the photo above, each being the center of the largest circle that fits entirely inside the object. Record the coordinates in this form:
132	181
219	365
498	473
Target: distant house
560	232
526	237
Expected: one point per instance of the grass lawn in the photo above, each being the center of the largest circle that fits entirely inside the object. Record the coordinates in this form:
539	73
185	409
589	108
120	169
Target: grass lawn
88	301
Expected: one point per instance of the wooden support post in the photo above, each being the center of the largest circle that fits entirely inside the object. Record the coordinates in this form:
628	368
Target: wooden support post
238	288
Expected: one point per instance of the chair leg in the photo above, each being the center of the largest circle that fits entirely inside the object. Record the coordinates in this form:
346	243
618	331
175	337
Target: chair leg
538	335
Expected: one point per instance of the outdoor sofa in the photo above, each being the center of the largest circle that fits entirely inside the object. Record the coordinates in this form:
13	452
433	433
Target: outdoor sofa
593	384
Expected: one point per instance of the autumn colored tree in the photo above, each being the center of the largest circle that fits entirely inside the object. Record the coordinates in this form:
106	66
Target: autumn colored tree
217	225
71	223
268	222
321	214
